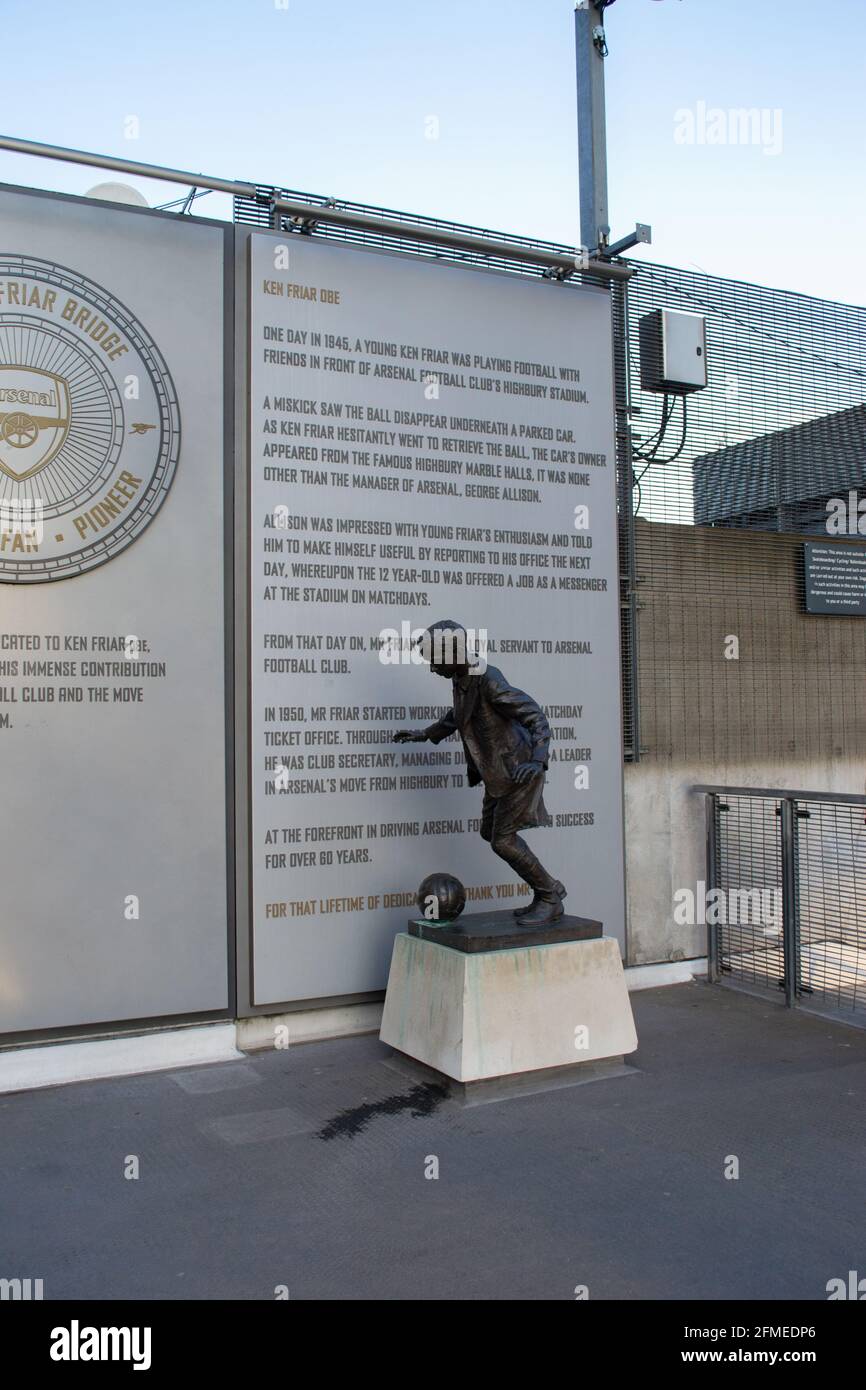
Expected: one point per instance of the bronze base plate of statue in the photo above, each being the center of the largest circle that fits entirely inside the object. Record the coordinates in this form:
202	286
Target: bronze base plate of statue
501	931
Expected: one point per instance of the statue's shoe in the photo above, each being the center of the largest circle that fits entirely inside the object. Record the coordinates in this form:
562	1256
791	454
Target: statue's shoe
520	912
548	911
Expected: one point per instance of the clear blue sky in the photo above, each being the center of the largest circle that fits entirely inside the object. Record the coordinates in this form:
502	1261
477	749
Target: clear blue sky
333	96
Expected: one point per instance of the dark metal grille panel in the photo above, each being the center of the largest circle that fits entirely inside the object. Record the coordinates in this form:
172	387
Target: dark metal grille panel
832	904
796	692
749	877
781	424
779	430
790	872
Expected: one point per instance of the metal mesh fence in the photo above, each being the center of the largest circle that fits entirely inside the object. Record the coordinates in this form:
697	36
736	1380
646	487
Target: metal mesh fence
781	425
747	913
786	906
832	903
778	432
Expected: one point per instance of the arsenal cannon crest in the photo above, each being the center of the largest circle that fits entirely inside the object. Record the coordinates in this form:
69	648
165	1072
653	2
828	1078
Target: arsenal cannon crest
89	423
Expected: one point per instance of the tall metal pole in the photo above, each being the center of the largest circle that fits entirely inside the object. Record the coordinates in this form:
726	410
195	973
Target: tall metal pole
590	49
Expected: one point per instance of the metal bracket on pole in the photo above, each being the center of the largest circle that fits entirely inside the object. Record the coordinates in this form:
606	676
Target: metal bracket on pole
641	234
307	225
562	272
591	51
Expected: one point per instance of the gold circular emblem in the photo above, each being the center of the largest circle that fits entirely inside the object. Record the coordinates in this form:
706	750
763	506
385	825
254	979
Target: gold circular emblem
89	423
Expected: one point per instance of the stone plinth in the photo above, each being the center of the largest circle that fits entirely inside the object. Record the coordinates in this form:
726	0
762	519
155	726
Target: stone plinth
475	1014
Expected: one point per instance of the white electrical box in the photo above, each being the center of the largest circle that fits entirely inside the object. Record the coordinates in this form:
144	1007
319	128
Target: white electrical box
673	351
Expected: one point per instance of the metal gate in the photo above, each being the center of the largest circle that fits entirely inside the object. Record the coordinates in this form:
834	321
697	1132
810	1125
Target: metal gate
785	896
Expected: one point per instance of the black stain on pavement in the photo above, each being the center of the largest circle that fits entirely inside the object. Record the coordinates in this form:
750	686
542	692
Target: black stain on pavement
422	1100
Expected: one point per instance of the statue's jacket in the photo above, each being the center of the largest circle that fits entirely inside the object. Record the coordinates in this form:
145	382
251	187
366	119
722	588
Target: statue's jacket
500	728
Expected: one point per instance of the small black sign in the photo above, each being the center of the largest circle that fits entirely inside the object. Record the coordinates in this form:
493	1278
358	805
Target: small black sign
835	579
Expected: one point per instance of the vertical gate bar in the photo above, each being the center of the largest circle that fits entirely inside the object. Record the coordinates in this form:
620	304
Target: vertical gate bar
713	972
796	956
789	898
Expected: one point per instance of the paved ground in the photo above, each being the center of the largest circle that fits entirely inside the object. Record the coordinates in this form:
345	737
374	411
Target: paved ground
306	1168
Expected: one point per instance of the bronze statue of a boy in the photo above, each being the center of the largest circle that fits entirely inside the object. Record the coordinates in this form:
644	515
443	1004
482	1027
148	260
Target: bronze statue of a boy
505	739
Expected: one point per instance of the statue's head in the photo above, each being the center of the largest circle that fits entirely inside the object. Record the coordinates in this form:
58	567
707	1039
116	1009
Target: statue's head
445	645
